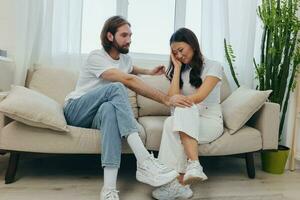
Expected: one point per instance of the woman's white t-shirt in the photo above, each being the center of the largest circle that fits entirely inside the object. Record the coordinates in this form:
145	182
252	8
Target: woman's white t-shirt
210	106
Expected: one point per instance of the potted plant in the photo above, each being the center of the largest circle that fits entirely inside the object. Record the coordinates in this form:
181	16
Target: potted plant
278	66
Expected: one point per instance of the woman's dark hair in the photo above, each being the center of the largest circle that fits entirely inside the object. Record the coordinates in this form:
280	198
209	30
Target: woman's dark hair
187	36
111	25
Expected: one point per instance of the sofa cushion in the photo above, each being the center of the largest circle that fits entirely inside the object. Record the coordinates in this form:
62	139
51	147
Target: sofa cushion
34	109
225	88
238	108
47	80
248	139
133	102
20	137
148	107
153	126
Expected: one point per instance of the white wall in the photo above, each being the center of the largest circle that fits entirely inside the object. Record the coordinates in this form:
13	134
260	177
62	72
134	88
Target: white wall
7	26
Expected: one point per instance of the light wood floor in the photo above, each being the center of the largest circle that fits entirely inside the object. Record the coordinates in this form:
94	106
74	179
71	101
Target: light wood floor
80	178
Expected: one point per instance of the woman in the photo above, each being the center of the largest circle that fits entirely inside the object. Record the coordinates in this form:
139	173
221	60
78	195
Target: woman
200	80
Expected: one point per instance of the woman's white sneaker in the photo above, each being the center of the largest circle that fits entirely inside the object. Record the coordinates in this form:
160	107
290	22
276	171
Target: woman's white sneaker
154	173
194	172
172	190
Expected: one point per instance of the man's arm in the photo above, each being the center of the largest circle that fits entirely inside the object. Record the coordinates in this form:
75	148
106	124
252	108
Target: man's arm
136	84
159	70
138	70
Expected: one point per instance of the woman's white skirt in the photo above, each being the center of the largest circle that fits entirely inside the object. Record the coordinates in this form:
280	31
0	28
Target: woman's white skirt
203	123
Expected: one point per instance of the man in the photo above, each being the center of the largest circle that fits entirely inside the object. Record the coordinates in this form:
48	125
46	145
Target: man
100	101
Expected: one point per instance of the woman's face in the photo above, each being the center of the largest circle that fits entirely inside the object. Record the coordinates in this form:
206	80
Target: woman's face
182	52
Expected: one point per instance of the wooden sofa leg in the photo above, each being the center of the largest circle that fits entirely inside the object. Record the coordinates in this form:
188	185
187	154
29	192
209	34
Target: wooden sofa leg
2	152
250	164
12	167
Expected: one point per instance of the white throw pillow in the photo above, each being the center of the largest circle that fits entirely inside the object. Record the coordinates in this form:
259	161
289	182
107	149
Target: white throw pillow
239	107
34	109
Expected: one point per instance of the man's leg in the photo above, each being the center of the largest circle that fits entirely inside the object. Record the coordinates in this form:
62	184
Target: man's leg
106	121
85	108
81	112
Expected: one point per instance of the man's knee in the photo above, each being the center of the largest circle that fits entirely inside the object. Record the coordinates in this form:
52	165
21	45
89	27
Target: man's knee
119	85
107	109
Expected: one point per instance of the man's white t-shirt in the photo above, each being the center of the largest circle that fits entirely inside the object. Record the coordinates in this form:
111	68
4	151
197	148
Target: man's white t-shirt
98	62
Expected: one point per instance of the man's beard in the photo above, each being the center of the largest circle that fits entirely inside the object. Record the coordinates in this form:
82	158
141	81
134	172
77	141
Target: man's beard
120	49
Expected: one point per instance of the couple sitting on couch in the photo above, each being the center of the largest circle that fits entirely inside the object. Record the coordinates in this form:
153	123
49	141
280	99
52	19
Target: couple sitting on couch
100	101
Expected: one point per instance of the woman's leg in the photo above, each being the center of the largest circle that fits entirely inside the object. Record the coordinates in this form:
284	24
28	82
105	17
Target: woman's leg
190	146
186	122
171	151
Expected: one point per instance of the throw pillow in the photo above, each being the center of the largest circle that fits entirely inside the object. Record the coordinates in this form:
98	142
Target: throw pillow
34	109
238	108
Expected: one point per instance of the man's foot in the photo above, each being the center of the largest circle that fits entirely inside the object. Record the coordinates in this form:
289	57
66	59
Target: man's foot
154	173
194	173
172	190
109	194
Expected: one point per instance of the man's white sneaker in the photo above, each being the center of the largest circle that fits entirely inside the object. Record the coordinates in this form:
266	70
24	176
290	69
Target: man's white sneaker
154	173
172	190
109	194
194	172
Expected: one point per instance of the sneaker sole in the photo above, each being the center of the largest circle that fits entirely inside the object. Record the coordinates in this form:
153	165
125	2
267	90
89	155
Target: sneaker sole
142	179
193	180
187	196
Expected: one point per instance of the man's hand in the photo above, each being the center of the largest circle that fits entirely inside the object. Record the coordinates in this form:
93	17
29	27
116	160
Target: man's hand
159	70
180	101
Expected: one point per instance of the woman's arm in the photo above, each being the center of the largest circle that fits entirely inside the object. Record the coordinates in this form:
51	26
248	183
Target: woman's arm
174	87
207	86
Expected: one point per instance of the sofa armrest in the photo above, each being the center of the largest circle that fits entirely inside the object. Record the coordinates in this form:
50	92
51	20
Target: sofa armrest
3	120
267	120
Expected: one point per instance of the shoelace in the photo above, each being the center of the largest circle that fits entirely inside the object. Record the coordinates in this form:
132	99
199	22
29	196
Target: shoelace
112	194
158	164
193	165
172	189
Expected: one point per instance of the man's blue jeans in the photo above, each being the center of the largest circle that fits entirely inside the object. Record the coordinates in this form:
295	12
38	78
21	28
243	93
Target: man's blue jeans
108	109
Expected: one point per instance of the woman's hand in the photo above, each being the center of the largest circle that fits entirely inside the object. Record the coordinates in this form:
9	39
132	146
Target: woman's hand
175	61
178	100
159	70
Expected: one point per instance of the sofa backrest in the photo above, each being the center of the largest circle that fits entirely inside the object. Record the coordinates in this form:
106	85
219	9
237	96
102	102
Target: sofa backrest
225	88
56	83
148	107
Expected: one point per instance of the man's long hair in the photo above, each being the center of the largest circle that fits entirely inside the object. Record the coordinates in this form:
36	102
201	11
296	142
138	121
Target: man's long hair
111	25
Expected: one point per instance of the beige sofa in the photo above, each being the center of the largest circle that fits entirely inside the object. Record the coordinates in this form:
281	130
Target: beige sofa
260	132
